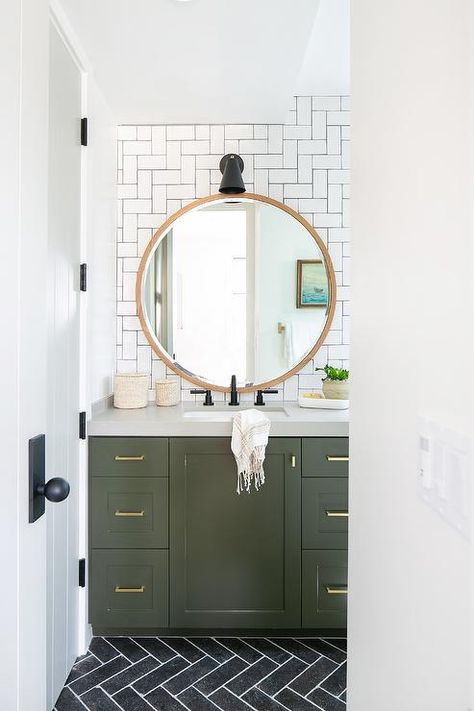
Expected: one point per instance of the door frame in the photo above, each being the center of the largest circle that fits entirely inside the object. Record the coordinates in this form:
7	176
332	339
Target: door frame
62	25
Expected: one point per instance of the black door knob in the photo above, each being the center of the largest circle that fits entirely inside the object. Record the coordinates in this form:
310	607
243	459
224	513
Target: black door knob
56	489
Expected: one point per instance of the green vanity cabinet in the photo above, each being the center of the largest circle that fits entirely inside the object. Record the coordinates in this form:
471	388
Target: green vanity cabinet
325	468
128	532
234	560
173	546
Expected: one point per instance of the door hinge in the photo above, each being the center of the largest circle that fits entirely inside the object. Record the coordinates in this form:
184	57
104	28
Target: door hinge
83	277
82	425
82	572
83	132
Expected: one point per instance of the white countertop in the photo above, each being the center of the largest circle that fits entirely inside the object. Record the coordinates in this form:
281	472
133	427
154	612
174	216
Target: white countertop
195	420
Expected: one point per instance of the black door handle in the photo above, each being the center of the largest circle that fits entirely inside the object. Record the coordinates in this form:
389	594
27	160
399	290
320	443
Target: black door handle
55	490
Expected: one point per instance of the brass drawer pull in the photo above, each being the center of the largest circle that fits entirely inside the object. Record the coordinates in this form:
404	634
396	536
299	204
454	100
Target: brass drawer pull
139	458
336	589
337	514
293	461
337	458
119	589
129	513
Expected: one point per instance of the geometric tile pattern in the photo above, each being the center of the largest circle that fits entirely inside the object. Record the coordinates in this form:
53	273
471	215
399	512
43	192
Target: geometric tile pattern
304	163
208	673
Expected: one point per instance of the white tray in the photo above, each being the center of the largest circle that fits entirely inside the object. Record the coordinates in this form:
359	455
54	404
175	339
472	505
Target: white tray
323	403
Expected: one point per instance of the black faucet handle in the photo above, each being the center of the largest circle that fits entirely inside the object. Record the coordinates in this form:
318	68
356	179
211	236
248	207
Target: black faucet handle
234	398
208	396
259	401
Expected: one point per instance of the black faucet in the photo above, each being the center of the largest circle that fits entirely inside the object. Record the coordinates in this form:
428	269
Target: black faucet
234	399
207	400
259	401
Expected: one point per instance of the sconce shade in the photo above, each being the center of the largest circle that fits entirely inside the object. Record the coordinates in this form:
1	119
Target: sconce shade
231	167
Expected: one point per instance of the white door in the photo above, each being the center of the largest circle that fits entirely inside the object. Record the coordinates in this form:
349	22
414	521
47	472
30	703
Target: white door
63	361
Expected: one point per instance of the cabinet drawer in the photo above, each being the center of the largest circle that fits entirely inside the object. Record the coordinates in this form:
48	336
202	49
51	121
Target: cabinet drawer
129	588
325	512
325	456
324	589
129	512
128	456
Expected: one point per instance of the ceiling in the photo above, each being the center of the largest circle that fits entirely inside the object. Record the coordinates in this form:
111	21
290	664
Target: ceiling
203	61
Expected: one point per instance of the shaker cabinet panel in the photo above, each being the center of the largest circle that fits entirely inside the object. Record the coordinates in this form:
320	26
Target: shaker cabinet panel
128	456
325	512
234	560
325	456
324	598
129	512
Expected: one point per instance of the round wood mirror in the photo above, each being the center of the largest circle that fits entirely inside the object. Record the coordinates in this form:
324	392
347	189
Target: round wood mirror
238	285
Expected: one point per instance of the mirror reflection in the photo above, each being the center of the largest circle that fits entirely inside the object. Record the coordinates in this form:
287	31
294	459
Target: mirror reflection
238	287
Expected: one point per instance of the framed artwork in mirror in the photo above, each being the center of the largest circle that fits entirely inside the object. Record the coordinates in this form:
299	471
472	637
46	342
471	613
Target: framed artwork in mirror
311	284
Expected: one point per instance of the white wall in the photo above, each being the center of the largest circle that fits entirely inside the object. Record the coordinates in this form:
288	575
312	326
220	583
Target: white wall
412	351
23	248
326	67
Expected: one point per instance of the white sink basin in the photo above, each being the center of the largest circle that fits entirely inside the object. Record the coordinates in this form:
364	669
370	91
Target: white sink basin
210	414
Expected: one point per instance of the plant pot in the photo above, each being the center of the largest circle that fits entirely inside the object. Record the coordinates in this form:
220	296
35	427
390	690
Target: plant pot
336	389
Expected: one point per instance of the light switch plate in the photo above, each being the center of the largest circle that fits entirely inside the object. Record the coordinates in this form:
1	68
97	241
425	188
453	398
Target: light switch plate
444	474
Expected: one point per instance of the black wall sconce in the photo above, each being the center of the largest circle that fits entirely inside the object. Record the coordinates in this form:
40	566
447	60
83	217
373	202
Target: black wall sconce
231	167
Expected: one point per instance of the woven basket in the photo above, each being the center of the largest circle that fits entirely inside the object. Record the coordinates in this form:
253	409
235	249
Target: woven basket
131	390
168	392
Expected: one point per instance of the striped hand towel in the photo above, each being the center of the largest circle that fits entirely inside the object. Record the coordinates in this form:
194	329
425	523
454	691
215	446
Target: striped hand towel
249	438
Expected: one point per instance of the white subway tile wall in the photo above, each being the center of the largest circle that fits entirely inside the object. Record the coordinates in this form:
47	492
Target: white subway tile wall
304	163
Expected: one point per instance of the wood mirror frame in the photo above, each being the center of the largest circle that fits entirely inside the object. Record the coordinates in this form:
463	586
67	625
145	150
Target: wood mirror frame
153	341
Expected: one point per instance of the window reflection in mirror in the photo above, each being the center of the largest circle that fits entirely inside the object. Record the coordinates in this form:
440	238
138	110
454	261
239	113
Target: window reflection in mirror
236	287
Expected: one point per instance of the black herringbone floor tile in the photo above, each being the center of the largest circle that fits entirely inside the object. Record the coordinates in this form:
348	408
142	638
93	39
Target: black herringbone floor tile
256	699
96	677
328	650
313	676
251	676
195	701
129	675
83	666
160	675
241	648
325	701
156	648
129	700
282	676
221	675
184	648
213	648
160	699
336	682
127	648
205	674
190	675
97	700
68	701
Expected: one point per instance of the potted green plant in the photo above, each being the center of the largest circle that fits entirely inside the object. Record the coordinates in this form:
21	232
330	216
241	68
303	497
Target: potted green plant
336	383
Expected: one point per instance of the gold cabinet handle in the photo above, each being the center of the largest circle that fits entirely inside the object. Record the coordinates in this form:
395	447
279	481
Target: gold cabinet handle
119	458
336	589
337	514
293	461
337	458
129	513
119	589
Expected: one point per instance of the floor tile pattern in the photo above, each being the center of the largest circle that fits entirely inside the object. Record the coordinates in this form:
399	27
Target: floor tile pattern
208	673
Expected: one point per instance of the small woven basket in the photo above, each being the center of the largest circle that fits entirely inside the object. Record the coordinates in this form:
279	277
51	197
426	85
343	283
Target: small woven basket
168	392
131	390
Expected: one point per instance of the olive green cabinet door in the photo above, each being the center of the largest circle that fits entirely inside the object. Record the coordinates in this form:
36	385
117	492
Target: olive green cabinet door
235	561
